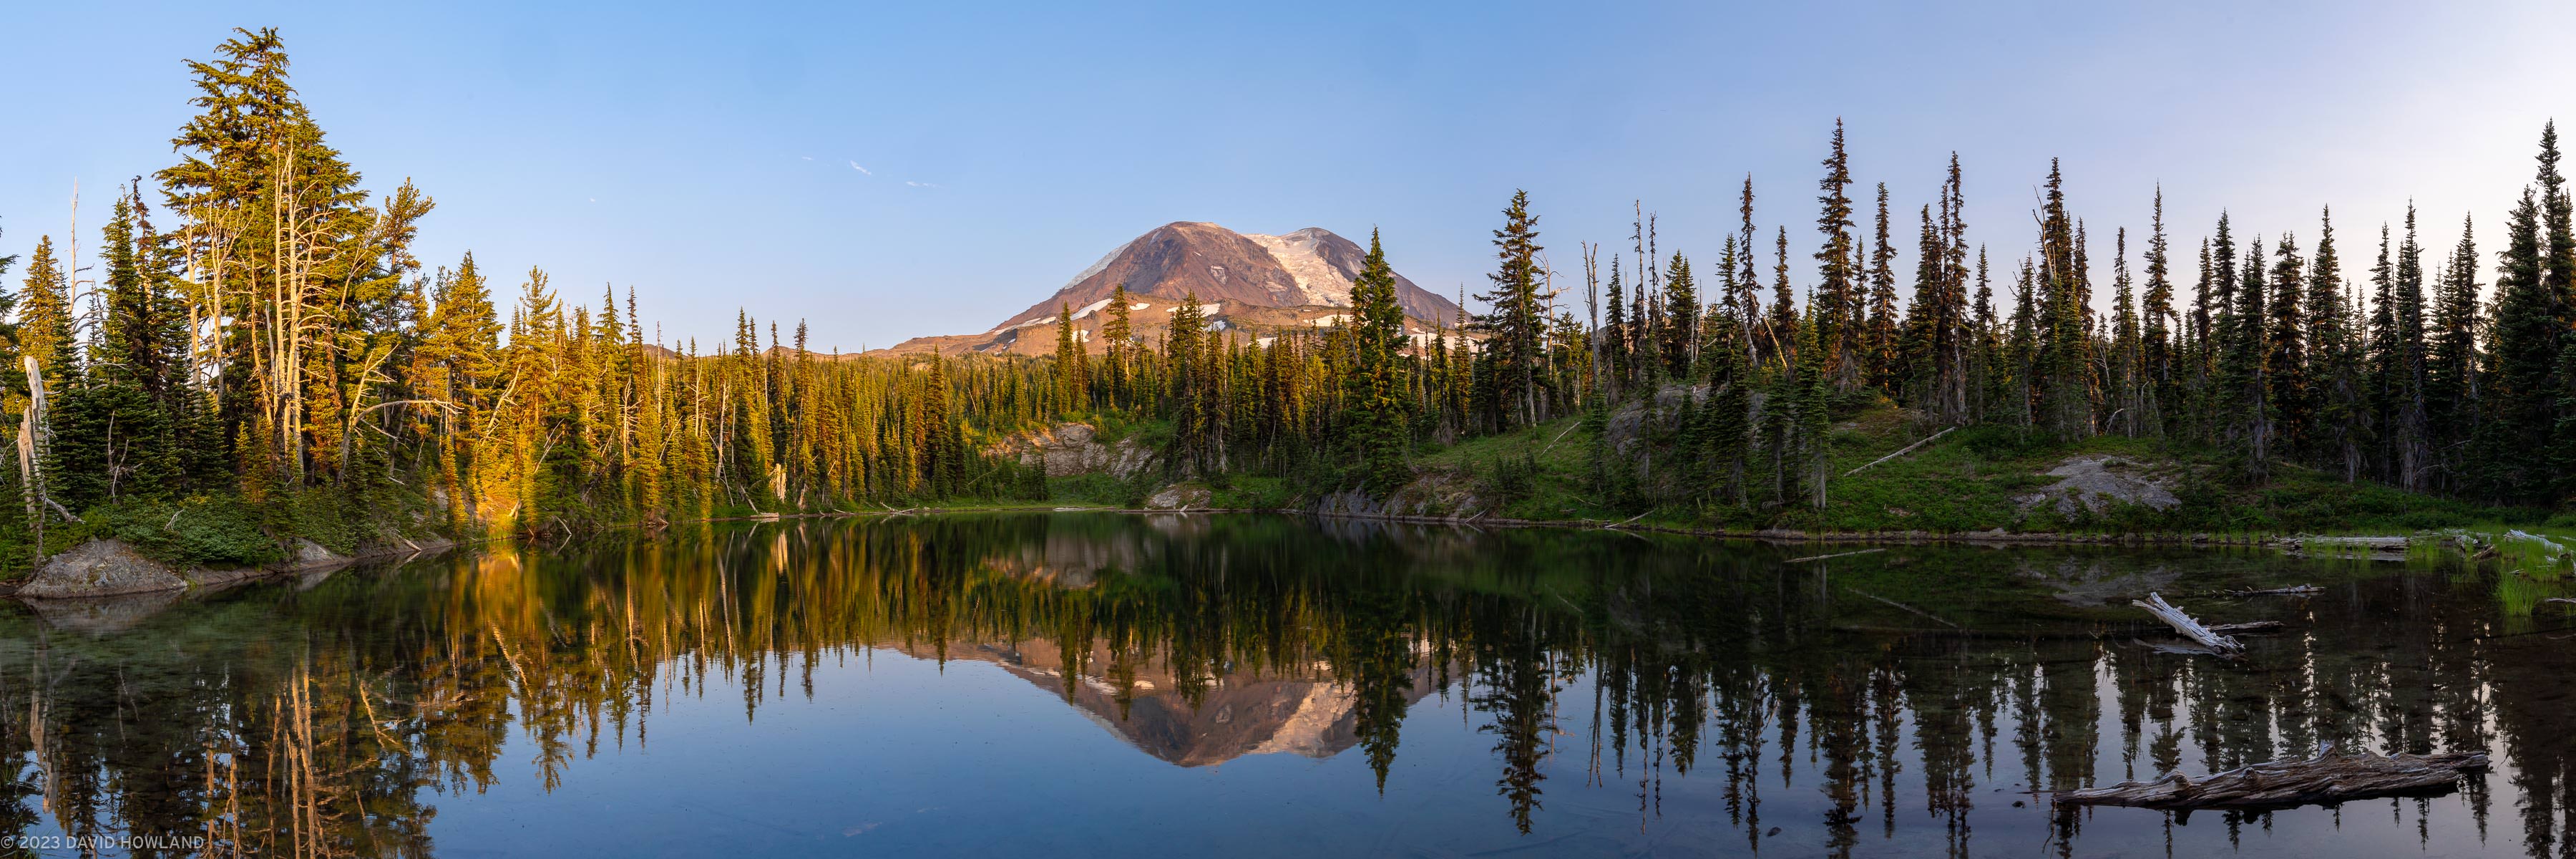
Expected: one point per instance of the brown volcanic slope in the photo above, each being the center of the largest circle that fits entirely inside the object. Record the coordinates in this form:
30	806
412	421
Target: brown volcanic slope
1255	284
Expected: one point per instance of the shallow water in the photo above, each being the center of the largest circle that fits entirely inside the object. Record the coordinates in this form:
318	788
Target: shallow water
1099	684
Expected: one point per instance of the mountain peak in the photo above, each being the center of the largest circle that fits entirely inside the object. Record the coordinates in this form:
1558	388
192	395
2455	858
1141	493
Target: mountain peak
1244	281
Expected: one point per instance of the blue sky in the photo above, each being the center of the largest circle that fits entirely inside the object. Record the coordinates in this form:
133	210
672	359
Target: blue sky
705	155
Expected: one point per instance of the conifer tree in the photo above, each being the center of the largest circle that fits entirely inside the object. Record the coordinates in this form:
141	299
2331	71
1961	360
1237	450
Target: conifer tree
2287	388
1681	337
2157	322
45	313
2335	359
1186	359
2450	371
1880	340
1515	321
1748	283
2126	361
1838	283
1614	333
2413	447
1784	303
1069	374
1118	342
2062	373
1372	385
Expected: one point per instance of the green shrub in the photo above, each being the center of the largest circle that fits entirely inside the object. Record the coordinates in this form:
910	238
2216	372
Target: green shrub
201	531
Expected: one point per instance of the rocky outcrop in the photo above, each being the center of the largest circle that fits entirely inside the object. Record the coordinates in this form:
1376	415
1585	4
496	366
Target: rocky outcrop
310	555
1435	495
112	568
101	568
1179	496
1629	423
1065	450
2098	483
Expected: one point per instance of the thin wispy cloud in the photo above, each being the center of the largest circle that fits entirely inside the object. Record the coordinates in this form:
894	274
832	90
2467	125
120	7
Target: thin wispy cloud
806	157
862	170
919	184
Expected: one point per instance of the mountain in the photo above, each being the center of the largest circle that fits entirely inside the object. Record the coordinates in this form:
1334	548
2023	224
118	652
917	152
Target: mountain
1255	284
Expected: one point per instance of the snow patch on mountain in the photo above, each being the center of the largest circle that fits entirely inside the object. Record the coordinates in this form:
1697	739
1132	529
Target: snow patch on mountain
1318	280
1098	267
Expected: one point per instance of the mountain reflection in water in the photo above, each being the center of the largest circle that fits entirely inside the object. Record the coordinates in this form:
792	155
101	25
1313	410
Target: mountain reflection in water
1452	691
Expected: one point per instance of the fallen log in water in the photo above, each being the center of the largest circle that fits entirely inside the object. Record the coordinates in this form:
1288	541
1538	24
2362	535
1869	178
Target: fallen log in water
2248	626
2191	629
2326	778
2293	591
2372	548
2519	534
1834	555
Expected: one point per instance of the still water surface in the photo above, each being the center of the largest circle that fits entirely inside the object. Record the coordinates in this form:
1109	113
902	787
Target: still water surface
1114	685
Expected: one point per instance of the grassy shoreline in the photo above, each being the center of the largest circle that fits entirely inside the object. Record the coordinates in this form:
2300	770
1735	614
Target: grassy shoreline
1970	486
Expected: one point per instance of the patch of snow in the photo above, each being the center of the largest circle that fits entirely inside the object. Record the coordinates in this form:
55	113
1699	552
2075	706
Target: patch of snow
1333	321
1264	342
1049	320
1088	308
1140	306
1098	267
1318	280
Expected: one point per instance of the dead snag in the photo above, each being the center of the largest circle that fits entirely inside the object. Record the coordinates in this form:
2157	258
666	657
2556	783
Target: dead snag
2326	778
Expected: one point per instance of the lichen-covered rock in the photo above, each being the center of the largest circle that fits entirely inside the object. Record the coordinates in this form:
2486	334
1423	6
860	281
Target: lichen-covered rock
101	568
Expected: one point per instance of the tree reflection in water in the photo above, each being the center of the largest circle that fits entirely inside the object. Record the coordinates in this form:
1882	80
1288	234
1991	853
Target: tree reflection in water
329	718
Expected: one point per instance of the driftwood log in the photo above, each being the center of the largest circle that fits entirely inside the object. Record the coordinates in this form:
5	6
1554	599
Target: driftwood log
2326	778
2191	629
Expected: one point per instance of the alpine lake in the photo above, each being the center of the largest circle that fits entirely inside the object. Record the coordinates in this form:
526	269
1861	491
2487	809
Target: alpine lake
1110	684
